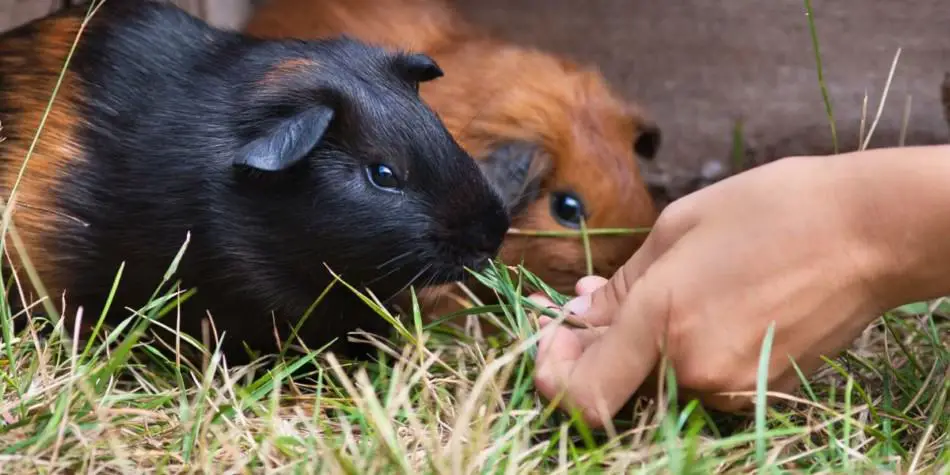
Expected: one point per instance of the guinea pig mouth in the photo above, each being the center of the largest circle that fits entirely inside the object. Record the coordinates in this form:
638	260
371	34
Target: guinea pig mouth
446	274
453	258
454	270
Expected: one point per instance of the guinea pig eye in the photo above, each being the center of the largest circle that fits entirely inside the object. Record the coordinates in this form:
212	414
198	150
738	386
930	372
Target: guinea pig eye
567	208
647	144
383	177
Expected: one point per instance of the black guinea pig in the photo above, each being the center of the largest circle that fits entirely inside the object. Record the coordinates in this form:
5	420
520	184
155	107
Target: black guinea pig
280	158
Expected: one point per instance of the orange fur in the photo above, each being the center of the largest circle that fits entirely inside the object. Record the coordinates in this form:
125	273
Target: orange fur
494	91
289	68
412	24
31	69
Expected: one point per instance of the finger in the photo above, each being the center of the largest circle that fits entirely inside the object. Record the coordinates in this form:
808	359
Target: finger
599	378
545	303
559	342
584	286
587	336
589	284
542	301
564	342
600	307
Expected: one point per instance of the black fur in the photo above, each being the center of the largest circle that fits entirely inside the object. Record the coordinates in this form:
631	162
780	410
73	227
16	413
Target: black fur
186	128
421	67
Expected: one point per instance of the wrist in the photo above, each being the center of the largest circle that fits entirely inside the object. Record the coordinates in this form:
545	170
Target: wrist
898	214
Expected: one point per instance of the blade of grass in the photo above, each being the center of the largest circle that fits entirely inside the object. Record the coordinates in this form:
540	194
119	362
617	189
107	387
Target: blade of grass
578	233
761	387
810	14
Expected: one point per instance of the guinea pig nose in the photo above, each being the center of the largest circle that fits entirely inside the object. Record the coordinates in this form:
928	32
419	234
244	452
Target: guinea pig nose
486	235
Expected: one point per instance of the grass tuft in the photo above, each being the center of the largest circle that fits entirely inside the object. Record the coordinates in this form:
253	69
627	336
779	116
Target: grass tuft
439	404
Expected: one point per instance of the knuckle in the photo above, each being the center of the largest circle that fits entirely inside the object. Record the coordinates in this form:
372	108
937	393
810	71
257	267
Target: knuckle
678	332
710	374
700	364
678	210
674	220
619	285
699	375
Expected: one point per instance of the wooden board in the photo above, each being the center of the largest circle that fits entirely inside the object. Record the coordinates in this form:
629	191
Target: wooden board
16	12
223	13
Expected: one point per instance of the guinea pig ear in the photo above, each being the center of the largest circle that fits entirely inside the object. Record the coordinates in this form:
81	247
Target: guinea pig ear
648	141
418	67
286	144
516	169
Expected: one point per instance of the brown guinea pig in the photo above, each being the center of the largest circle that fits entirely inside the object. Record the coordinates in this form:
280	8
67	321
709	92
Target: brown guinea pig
278	158
551	135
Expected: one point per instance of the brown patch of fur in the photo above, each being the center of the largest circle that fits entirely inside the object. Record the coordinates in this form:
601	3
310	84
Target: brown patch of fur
30	68
414	24
494	91
288	68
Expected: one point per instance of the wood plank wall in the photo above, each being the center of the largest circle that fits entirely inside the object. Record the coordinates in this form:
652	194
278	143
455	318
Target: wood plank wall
224	13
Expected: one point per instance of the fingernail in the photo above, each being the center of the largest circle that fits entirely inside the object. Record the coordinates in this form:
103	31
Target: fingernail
544	320
590	284
579	305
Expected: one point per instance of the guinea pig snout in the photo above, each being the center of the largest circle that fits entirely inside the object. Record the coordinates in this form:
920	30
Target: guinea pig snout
483	236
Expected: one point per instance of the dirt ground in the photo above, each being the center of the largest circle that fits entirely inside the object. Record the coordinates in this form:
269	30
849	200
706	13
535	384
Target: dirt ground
700	66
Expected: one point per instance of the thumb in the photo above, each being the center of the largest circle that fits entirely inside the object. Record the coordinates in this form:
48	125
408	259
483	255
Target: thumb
599	307
599	379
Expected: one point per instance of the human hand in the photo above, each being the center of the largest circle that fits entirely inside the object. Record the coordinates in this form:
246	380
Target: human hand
792	242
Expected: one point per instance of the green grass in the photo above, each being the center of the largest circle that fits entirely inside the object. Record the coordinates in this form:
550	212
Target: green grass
437	403
443	399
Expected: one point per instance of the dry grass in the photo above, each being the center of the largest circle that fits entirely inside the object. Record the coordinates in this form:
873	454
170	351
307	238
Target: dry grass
443	400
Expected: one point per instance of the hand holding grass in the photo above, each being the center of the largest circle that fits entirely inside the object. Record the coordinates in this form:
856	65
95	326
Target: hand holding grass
818	245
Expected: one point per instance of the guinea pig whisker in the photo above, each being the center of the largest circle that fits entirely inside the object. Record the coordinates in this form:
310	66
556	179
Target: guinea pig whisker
411	281
391	262
394	259
432	278
382	276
